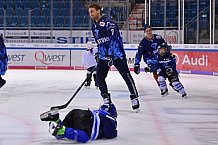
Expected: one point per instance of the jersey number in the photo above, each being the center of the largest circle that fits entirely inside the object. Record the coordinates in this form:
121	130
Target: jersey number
112	31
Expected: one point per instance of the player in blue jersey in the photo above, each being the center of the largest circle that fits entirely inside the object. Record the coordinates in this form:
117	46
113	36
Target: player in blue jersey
110	52
165	63
3	61
147	48
83	125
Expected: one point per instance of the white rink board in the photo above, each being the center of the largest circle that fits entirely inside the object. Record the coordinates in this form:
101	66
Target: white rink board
69	56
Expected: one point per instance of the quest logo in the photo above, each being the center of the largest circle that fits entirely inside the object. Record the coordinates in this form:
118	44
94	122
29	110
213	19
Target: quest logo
48	59
12	58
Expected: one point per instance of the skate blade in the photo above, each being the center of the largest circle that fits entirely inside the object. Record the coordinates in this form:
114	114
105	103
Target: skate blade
49	113
165	94
137	110
185	97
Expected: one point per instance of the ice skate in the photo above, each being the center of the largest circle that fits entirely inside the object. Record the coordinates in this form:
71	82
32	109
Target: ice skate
135	103
96	85
106	98
2	83
87	85
164	93
106	102
184	96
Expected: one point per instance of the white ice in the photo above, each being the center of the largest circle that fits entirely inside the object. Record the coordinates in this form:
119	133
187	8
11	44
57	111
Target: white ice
161	121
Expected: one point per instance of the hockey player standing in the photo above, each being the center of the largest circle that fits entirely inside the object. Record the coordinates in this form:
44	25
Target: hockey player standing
3	61
147	48
83	125
111	52
165	62
89	62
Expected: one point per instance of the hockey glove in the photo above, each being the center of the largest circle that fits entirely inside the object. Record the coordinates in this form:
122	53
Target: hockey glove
96	57
109	60
147	69
137	68
169	71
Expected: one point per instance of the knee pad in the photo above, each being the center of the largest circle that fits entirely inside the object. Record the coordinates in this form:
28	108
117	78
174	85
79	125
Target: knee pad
161	79
162	83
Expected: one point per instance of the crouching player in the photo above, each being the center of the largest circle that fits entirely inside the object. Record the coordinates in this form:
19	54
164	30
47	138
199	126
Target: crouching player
3	61
83	125
165	63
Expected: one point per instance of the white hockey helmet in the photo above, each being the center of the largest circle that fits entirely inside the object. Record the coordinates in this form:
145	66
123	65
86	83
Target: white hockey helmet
89	45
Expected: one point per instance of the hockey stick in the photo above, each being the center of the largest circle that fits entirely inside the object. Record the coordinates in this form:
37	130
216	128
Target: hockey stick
66	104
56	108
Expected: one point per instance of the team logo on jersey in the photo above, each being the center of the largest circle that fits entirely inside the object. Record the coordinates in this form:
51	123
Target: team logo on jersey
154	45
158	37
102	24
110	25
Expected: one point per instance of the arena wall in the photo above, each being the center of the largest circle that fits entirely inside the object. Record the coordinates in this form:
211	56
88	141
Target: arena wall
194	59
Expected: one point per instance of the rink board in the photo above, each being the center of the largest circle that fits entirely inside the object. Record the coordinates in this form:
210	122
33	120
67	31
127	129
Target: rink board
196	59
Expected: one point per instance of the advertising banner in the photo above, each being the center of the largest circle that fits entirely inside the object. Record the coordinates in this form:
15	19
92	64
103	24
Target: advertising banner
78	36
198	59
193	60
31	58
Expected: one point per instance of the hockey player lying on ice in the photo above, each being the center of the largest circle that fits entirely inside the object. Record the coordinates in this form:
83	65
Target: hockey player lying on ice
83	125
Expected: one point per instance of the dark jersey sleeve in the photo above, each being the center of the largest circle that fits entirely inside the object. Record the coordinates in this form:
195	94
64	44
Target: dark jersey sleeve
138	55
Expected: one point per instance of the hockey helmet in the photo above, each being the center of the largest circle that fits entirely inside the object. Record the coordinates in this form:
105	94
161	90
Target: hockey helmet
89	46
162	49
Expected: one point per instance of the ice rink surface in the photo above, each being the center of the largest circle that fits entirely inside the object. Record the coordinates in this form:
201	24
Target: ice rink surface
161	121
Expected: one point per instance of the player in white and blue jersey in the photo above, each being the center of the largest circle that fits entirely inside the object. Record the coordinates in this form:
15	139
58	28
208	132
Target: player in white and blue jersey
89	62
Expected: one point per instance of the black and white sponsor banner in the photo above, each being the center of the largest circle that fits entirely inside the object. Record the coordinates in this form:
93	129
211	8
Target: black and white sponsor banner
77	36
